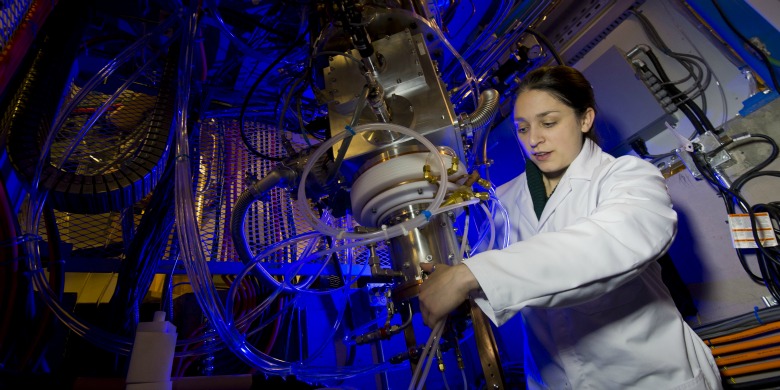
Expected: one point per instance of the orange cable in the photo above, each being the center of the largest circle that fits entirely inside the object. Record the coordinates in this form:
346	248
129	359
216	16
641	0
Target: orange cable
741	346
744	334
747	356
750	368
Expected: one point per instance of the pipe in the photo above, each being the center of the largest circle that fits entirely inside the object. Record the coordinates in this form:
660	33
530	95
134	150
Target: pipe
280	175
477	122
486	109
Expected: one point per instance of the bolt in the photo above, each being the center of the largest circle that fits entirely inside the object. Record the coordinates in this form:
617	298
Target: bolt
429	257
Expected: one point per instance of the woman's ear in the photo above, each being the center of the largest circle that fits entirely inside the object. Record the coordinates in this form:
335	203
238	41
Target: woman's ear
587	119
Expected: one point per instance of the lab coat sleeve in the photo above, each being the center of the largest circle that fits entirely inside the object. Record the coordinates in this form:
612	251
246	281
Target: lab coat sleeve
631	225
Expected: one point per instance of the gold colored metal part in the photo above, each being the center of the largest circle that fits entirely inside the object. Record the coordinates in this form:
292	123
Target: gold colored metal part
428	176
484	183
454	168
464	193
487	348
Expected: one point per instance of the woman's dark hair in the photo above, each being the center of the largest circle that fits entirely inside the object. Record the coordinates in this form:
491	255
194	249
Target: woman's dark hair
566	84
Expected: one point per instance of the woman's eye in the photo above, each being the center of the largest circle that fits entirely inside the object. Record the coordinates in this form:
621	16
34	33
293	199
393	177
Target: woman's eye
522	129
548	124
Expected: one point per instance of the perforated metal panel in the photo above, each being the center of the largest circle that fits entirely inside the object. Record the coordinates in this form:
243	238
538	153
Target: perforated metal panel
269	221
12	14
580	25
96	242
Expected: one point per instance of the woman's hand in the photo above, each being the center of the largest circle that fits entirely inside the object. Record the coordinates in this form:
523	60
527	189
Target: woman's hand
445	288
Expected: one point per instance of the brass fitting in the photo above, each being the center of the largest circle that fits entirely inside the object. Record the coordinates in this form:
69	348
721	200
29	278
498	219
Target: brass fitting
439	358
461	194
484	183
482	195
454	167
428	176
474	177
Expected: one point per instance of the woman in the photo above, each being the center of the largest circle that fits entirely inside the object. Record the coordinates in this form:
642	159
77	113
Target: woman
585	231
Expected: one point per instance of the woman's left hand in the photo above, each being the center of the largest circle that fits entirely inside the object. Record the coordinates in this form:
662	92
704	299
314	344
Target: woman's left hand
445	288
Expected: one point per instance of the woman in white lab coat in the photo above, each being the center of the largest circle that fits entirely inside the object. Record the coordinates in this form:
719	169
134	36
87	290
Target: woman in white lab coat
586	229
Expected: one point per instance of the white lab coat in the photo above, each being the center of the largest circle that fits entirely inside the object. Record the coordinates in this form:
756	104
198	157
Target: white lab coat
585	279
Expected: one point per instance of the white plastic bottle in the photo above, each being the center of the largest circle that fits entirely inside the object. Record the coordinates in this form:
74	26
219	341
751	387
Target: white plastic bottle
152	357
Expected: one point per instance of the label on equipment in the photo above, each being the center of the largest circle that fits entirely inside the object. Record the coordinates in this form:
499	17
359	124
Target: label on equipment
742	230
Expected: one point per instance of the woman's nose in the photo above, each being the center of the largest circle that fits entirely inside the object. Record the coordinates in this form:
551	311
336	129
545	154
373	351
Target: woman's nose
534	138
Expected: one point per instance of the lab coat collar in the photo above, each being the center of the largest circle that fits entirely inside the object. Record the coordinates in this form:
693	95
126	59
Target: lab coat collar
580	169
583	165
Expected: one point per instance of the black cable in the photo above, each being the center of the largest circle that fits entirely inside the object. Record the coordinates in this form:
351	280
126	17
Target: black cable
547	43
740	256
702	79
760	52
697	125
767	259
679	97
640	147
770	277
737	186
286	106
682	58
754	172
245	104
684	108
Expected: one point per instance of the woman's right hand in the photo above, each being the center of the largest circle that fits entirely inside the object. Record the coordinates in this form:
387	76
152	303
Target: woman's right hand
444	290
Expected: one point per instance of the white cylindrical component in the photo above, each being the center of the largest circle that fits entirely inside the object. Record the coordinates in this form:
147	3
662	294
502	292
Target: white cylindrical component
152	356
392	231
397	181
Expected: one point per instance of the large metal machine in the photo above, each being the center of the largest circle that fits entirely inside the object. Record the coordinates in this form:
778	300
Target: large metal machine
402	153
271	175
311	154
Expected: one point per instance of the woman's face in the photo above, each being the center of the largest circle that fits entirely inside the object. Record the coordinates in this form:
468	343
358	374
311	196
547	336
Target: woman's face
550	131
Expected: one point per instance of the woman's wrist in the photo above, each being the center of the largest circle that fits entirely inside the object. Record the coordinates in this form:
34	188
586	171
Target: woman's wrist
469	282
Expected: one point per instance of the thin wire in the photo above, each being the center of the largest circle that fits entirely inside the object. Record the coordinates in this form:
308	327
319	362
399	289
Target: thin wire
767	61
